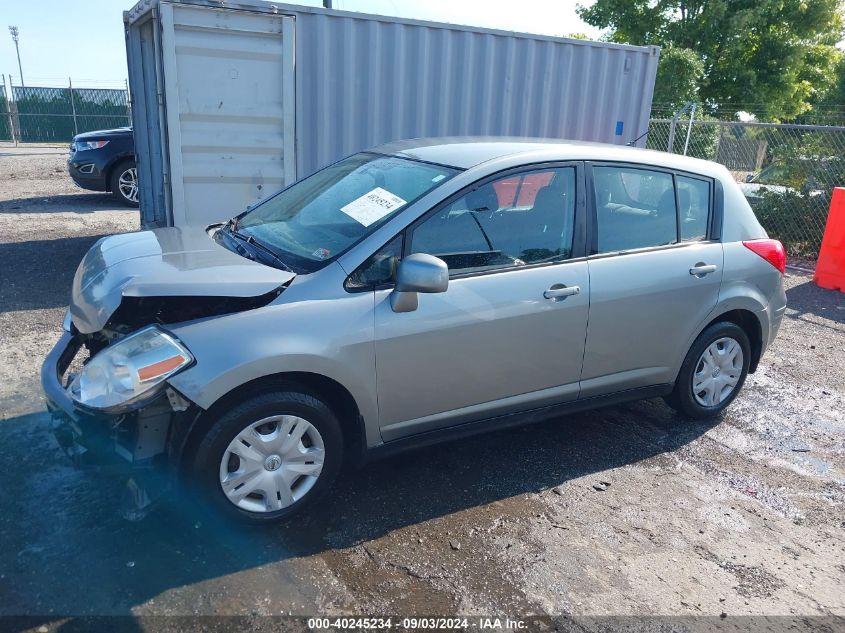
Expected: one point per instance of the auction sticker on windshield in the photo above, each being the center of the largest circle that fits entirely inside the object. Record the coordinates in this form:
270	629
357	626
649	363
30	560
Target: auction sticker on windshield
373	206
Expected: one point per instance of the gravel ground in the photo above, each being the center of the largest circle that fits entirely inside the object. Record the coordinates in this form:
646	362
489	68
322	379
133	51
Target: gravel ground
628	510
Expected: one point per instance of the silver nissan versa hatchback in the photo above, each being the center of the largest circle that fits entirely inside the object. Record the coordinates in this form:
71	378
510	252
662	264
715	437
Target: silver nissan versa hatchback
413	293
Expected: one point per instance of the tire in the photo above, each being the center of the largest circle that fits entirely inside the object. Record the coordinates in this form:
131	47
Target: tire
123	183
220	461
718	378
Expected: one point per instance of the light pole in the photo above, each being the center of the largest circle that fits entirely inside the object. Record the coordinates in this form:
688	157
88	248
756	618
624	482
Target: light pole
14	31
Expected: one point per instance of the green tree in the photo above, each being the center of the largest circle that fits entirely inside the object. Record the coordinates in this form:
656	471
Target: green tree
831	103
679	74
771	57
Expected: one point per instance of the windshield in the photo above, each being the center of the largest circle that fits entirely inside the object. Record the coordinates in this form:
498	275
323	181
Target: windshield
318	218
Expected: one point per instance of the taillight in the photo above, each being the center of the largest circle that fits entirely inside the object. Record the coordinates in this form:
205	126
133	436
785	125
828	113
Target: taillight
770	250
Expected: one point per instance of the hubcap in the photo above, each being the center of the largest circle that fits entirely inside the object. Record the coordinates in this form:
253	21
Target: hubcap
128	184
272	463
717	372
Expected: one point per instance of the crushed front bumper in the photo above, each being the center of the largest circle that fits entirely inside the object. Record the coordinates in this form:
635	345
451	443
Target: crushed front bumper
124	442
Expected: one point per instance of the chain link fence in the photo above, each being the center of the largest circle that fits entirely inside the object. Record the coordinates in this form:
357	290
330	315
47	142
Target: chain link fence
787	172
40	114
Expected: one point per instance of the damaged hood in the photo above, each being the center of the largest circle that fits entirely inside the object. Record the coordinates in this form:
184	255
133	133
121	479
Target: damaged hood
168	262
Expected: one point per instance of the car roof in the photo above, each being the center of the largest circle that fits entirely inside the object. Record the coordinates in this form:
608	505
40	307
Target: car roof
465	152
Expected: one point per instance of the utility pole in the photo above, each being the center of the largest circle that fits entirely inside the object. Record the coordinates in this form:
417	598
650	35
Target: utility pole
14	31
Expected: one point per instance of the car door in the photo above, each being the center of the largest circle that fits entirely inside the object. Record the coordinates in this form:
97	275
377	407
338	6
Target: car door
508	334
655	272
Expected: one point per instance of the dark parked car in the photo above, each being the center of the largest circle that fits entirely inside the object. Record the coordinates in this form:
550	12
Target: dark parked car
105	161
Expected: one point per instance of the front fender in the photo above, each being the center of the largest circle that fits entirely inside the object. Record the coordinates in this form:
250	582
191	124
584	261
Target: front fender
114	161
332	338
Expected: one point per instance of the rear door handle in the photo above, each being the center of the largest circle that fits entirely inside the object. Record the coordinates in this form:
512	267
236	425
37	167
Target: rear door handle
702	269
559	291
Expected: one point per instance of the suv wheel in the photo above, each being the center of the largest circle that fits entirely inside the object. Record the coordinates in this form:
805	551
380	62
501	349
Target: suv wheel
713	371
269	457
124	183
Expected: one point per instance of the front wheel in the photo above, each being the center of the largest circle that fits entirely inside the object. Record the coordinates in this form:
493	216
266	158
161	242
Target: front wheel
713	371
124	183
270	456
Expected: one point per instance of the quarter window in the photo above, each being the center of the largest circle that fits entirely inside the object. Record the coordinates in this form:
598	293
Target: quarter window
379	269
694	208
635	208
522	219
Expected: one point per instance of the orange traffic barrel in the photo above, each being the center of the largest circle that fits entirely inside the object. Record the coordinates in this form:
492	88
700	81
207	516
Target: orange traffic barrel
830	269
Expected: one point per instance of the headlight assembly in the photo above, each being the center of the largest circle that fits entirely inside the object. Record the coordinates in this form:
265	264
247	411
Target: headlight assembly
129	370
83	145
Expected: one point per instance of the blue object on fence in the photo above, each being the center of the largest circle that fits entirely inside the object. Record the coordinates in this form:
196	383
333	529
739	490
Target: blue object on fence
619	126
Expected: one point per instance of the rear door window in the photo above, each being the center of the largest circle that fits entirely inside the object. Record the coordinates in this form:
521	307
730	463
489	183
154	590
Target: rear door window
635	208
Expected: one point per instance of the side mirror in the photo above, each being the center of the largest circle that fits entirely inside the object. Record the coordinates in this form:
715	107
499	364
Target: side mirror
418	273
749	177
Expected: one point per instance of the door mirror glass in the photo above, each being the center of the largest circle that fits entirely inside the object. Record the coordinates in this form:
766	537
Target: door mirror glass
418	273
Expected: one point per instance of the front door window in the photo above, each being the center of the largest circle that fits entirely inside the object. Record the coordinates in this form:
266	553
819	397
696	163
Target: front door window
518	220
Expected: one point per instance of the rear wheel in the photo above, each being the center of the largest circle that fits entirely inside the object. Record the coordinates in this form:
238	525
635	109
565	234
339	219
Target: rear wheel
271	456
713	371
124	183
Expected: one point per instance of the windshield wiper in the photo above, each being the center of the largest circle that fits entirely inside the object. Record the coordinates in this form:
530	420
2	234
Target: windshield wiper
230	229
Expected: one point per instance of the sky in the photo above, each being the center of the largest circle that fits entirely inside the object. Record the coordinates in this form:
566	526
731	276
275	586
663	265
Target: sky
83	39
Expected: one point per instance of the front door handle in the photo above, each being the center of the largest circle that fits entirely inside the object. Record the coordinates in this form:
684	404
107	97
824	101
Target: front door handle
559	291
702	269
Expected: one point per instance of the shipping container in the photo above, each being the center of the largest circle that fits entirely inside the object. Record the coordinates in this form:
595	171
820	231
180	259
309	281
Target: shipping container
232	101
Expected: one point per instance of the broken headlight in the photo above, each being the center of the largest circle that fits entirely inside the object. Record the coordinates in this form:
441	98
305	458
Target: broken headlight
129	370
